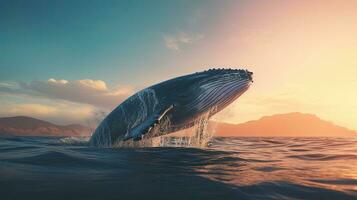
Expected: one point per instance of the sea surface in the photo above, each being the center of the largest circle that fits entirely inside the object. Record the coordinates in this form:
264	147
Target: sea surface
230	168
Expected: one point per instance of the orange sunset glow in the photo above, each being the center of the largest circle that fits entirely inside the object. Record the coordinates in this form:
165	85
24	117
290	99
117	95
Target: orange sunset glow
178	99
303	54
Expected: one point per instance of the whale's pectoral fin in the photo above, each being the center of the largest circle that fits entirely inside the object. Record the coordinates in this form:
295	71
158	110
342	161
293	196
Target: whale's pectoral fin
147	126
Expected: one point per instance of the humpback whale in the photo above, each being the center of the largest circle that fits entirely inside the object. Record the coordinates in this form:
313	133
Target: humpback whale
172	105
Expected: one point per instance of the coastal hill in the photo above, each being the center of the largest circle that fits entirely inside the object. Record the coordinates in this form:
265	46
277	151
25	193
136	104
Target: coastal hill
280	125
284	125
28	126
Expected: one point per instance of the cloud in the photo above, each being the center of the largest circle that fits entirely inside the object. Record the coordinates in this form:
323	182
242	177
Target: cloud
28	109
174	42
59	113
87	91
7	84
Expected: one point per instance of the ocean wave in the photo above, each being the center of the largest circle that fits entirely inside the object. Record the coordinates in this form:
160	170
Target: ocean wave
324	157
231	168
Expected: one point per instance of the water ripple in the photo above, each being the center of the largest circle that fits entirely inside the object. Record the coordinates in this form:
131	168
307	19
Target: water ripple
231	168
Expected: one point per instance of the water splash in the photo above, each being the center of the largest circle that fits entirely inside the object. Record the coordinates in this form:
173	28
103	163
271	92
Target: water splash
73	140
102	136
147	102
200	136
152	139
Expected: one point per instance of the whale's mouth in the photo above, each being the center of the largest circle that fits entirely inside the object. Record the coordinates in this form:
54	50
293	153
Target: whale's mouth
241	73
245	74
250	75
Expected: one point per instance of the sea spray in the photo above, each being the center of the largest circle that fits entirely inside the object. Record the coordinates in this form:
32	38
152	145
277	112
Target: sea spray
73	141
147	103
197	136
103	135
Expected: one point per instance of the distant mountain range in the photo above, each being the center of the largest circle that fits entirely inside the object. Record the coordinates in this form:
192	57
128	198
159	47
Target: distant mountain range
280	125
285	125
28	126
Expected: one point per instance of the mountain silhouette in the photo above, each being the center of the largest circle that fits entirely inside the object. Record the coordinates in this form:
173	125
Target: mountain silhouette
28	126
287	125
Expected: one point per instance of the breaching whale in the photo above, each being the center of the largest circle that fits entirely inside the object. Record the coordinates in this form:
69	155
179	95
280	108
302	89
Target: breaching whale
172	105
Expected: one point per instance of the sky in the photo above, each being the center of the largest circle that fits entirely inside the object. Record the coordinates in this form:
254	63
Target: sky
69	61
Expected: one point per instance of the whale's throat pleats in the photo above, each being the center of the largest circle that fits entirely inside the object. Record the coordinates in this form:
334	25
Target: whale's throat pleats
212	93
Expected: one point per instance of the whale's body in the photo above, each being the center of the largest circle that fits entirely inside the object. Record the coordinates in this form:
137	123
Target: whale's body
179	101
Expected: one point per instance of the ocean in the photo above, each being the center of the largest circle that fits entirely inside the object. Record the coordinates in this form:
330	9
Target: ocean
230	168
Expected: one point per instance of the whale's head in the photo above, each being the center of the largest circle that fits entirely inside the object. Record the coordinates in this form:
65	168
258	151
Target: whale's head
210	91
220	87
